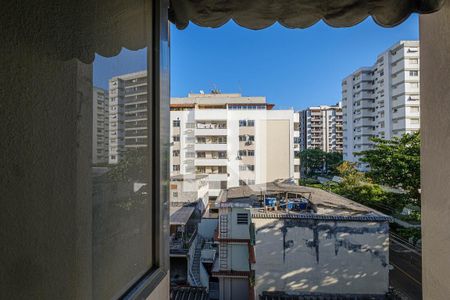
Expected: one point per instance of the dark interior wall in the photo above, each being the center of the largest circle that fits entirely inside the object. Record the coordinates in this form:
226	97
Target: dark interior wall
435	149
44	178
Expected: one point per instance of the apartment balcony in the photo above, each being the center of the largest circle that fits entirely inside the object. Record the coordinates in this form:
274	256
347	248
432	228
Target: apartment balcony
399	66
137	133
217	177
211	162
211	131
180	245
210	147
399	77
363	122
214	192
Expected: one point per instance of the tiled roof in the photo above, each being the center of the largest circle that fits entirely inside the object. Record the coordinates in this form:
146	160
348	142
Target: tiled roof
317	296
188	293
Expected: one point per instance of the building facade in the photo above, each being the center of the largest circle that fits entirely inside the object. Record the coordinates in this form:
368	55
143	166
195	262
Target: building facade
127	114
236	140
382	100
321	127
282	240
100	127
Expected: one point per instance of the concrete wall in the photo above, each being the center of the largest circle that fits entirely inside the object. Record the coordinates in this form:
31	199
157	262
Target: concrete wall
45	179
46	152
435	169
233	288
161	291
238	256
238	231
316	256
207	227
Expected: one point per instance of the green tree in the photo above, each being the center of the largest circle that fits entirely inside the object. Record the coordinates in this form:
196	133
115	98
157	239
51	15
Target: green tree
312	161
333	160
395	162
133	166
356	186
315	161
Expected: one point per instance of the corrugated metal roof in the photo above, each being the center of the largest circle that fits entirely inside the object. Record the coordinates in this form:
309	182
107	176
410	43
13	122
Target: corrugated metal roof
181	215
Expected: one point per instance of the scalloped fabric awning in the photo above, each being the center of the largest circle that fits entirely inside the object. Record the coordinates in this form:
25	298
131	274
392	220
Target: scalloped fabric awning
259	14
80	29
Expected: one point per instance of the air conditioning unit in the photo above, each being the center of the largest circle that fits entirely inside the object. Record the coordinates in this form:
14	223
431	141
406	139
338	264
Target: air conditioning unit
238	157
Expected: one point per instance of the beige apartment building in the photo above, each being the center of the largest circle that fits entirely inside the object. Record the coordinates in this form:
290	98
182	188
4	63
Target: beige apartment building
234	139
321	127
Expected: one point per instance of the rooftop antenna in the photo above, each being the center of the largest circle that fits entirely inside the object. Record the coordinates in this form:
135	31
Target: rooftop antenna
215	90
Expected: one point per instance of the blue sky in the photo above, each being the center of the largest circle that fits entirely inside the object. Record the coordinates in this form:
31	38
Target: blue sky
291	67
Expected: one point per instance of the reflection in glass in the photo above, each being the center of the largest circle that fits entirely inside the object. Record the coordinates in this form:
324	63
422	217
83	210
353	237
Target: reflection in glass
122	250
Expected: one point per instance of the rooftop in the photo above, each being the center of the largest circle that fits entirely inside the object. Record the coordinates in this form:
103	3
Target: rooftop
183	177
323	203
180	215
215	99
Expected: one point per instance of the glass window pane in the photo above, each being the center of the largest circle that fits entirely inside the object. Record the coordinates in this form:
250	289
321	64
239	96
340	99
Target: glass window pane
122	234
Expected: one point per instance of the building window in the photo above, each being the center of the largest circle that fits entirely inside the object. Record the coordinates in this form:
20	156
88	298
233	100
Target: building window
176	123
242	138
242	123
242	168
176	168
414	73
176	153
242	219
251	152
251	167
242	153
176	138
175	194
251	123
251	138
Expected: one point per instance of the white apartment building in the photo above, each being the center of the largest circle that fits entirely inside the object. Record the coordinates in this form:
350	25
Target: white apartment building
100	127
382	100
127	114
321	127
236	140
297	146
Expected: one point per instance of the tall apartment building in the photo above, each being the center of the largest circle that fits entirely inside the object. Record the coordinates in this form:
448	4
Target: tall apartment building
321	127
100	127
382	100
236	140
127	114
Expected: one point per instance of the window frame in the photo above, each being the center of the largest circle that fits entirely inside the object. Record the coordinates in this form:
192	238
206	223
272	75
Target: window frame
158	67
